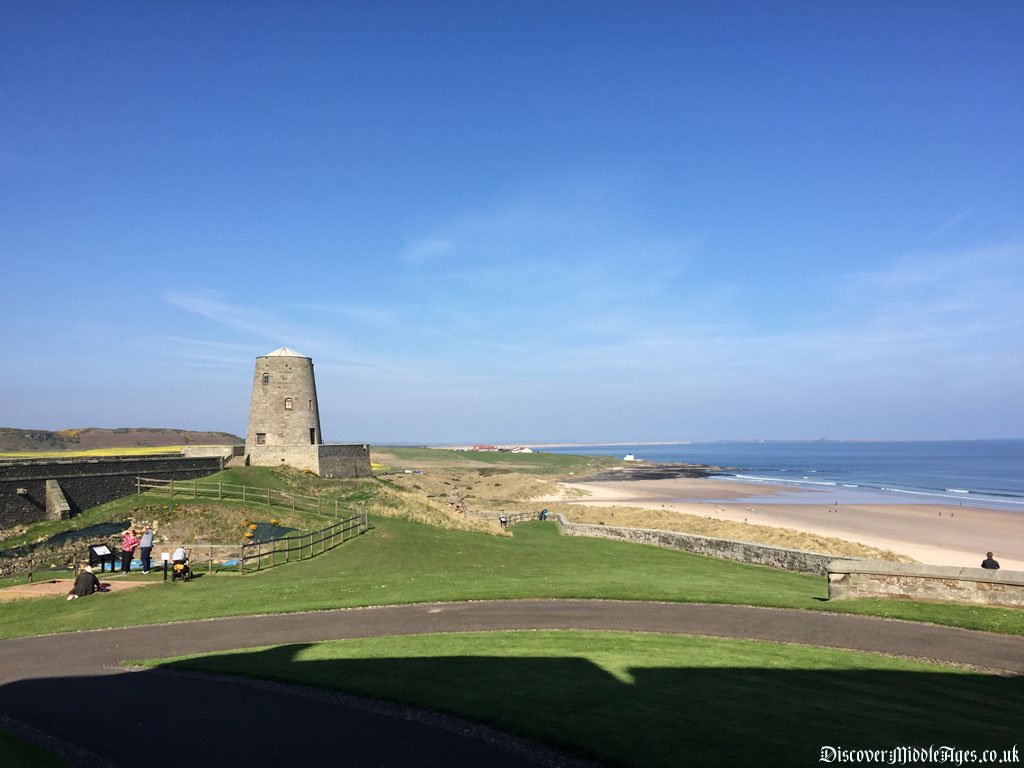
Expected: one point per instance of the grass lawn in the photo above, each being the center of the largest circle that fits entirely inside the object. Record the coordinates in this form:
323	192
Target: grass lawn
658	700
400	561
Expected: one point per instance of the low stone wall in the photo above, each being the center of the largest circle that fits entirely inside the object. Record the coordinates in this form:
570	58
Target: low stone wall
326	460
225	451
911	581
344	460
84	482
302	457
741	551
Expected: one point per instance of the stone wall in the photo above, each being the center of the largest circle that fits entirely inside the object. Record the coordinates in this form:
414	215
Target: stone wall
849	579
742	551
302	457
325	460
345	460
225	451
57	505
85	482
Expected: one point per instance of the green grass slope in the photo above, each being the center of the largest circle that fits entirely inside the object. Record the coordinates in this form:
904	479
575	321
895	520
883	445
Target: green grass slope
401	561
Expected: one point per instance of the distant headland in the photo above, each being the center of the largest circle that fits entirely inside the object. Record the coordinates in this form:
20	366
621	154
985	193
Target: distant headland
17	440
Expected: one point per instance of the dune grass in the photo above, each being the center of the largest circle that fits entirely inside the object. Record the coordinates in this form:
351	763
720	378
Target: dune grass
637	699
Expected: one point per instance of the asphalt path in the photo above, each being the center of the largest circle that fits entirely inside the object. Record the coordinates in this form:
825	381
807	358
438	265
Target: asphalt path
51	686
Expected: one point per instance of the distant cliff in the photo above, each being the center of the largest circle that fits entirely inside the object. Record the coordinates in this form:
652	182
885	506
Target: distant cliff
90	438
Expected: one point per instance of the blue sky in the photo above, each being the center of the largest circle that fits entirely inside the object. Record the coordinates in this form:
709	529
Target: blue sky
517	222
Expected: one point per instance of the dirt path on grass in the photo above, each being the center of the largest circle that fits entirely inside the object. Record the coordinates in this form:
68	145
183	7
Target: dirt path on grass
67	686
52	587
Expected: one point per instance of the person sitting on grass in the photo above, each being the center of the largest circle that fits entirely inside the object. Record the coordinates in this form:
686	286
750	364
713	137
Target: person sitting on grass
85	583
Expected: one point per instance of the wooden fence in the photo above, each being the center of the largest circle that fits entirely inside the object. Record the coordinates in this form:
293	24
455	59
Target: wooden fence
269	497
302	546
258	555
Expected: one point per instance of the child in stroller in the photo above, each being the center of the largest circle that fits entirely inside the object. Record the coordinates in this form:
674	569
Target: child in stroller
179	565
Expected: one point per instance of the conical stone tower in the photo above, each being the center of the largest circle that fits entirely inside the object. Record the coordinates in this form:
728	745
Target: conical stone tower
284	418
284	421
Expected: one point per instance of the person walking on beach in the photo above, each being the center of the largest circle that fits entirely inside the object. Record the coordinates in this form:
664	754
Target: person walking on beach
128	545
988	562
146	547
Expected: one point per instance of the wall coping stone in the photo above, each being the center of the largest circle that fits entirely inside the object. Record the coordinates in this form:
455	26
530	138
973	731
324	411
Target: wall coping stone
889	568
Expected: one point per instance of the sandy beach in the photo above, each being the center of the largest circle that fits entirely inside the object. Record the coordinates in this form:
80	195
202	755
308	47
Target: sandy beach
937	534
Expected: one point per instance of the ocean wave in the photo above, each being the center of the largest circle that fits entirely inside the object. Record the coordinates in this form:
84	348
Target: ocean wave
948	495
783	480
978	495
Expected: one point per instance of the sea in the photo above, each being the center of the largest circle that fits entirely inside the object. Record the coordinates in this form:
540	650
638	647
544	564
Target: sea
985	473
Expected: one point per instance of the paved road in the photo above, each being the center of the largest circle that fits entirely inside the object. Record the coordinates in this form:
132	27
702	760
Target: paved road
45	682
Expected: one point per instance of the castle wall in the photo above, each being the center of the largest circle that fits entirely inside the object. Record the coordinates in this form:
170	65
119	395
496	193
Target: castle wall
304	457
85	482
344	460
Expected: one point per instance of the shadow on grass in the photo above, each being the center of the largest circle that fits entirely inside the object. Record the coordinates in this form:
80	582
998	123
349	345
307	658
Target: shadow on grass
673	716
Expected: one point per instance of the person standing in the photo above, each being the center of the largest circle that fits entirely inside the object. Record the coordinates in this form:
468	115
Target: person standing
128	545
988	562
146	547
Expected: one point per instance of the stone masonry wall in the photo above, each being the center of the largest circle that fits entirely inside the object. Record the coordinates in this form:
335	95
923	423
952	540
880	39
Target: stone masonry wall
742	551
302	457
345	460
849	579
85	482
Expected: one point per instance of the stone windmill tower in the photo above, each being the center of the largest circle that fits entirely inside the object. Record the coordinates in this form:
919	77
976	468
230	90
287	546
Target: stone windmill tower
284	418
284	421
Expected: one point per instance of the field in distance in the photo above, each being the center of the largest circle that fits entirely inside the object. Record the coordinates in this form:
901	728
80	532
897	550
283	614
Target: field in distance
94	441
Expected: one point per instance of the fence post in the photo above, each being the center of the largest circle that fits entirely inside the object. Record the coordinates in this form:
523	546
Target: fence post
219	485
318	505
241	560
259	556
172	489
243	493
268	496
138	485
194	489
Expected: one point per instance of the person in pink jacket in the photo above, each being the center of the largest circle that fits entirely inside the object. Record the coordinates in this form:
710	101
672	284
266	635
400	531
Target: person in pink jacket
128	545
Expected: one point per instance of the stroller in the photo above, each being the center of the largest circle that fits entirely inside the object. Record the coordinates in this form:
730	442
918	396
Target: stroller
181	570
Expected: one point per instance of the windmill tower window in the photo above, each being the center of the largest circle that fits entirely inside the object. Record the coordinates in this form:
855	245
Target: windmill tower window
287	403
266	378
261	438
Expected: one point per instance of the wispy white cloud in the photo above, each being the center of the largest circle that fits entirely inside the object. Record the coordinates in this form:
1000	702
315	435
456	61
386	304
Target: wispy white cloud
426	250
954	221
